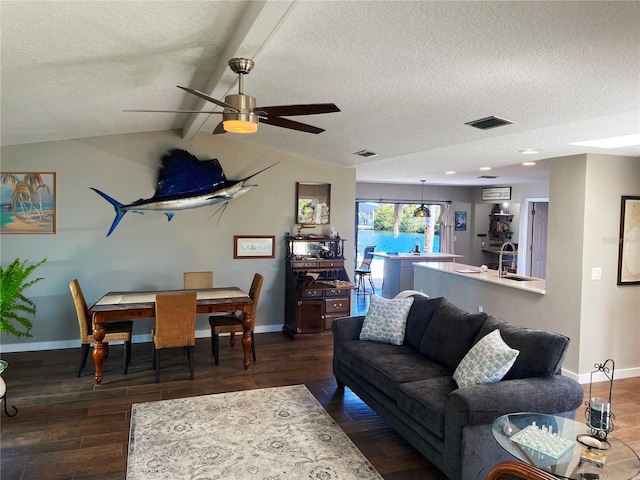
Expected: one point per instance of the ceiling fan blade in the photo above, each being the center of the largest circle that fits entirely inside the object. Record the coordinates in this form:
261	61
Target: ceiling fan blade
291	110
219	129
169	111
283	122
208	98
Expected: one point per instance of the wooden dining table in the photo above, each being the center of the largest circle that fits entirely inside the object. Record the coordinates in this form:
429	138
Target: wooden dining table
133	305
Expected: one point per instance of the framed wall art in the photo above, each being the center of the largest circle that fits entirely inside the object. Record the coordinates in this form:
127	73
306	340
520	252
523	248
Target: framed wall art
629	243
313	201
496	193
461	220
27	202
256	246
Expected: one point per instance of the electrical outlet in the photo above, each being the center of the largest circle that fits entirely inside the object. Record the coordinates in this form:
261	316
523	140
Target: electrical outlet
596	273
480	309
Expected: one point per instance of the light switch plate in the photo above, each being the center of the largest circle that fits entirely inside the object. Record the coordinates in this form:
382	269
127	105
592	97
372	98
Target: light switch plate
596	273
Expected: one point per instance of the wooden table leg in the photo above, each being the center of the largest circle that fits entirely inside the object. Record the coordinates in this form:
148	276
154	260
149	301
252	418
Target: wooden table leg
99	348
247	325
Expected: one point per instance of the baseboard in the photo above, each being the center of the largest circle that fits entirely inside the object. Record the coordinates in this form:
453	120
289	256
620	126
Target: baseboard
585	378
59	345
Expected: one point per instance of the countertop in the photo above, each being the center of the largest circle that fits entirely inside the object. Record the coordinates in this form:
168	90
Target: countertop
536	285
417	256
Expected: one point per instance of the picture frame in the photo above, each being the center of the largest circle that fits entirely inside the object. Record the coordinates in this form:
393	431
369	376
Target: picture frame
461	221
629	241
28	203
496	193
313	204
255	246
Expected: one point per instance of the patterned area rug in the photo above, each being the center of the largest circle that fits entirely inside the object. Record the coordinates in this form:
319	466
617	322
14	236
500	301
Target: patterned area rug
278	433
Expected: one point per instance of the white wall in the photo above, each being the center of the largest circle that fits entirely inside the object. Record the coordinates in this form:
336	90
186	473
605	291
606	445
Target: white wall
599	316
610	323
146	251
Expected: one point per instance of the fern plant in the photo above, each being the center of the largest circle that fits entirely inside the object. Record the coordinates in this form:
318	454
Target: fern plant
14	280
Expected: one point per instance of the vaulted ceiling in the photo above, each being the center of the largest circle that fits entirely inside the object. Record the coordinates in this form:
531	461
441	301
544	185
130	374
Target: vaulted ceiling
407	76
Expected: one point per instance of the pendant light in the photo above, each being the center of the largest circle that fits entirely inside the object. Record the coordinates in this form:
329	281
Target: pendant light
422	211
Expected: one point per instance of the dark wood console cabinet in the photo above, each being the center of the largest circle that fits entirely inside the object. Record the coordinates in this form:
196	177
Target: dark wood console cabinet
318	289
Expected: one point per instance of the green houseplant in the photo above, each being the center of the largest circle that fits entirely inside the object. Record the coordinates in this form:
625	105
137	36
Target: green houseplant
14	306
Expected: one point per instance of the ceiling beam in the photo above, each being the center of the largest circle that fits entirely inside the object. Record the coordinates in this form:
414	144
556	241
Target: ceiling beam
260	21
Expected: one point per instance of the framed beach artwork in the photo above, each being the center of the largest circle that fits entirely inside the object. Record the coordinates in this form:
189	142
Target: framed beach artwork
629	246
27	202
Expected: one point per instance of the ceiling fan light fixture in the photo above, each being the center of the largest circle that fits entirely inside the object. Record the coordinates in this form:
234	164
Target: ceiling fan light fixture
240	122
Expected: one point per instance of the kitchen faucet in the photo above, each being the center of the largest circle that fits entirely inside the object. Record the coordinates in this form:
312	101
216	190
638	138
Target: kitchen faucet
502	251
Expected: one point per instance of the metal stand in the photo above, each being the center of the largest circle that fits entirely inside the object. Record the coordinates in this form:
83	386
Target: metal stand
3	391
600	420
15	410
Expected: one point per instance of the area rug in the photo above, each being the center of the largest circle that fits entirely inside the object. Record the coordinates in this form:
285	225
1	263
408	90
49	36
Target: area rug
277	433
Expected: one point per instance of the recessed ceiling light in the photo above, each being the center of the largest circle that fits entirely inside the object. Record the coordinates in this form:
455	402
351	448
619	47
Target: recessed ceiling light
613	142
485	168
528	151
450	172
528	164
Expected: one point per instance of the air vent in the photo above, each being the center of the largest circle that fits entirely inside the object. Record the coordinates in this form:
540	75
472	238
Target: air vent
489	122
486	176
366	153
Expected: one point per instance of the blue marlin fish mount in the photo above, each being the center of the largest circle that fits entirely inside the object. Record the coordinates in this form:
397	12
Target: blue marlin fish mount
184	182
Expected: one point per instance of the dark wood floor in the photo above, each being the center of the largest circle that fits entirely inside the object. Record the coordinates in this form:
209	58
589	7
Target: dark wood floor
67	428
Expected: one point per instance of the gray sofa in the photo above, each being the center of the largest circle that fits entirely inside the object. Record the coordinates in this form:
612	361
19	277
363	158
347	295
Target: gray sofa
411	386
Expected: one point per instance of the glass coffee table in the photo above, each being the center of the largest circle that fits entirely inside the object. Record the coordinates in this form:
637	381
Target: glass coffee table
549	443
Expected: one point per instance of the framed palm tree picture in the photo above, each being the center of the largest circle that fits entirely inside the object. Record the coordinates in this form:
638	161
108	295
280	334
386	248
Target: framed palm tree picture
27	202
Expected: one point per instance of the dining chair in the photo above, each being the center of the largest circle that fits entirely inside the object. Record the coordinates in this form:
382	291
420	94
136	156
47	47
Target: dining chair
512	470
115	331
364	270
232	323
175	326
198	280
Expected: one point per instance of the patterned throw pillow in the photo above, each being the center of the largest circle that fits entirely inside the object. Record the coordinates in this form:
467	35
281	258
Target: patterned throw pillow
386	320
487	362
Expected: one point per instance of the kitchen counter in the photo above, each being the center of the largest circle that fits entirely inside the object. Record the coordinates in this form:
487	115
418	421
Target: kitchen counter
398	269
470	272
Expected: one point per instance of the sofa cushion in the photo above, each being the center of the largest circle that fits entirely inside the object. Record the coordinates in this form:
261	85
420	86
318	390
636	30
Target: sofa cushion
450	334
541	352
387	372
487	361
418	319
354	353
424	401
386	320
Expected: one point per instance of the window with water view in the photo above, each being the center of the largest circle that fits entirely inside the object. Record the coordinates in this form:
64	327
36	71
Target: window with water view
391	227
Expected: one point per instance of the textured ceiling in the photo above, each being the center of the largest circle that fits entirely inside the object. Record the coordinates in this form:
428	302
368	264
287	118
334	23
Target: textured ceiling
406	75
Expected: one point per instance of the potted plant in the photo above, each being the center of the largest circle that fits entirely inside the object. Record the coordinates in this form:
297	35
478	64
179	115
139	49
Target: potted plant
14	280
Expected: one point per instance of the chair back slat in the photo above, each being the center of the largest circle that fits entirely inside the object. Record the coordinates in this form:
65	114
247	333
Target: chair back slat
175	319
254	293
82	312
512	470
198	280
368	258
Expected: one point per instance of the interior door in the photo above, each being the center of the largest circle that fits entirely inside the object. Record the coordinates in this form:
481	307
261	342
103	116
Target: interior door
538	245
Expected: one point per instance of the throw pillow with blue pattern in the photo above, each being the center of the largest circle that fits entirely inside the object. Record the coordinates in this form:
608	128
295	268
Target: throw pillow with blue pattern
386	320
488	361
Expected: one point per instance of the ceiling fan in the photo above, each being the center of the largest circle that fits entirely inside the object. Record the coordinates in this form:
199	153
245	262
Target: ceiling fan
241	115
